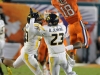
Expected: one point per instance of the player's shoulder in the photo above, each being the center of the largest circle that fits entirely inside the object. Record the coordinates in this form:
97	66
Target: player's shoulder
45	26
37	24
27	25
62	25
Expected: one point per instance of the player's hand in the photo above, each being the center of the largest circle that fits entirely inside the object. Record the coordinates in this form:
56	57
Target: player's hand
71	61
39	27
31	13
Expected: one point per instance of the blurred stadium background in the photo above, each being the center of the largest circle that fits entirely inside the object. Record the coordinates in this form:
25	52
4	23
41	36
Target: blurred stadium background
16	11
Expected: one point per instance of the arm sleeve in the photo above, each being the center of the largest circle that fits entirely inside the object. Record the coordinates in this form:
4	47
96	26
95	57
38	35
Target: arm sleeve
40	31
31	27
32	22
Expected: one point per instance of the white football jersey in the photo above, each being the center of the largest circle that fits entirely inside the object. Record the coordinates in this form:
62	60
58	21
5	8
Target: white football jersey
30	36
2	36
54	36
2	30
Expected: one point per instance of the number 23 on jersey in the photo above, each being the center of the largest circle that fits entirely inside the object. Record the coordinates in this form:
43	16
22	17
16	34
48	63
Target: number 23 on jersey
55	37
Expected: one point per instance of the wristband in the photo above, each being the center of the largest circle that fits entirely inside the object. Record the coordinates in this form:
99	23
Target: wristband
69	47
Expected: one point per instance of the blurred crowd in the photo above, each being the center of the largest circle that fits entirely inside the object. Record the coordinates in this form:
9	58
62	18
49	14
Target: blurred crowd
97	41
88	0
49	0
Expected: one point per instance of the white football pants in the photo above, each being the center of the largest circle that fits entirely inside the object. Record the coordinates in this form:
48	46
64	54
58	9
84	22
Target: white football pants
56	62
29	60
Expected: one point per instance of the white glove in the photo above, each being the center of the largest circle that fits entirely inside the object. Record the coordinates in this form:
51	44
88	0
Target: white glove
69	47
70	61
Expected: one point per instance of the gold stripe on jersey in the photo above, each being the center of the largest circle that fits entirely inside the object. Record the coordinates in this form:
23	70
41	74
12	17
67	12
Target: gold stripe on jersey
26	59
37	42
51	63
39	38
39	26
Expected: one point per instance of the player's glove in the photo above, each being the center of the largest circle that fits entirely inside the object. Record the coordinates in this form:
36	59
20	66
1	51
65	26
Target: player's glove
31	13
71	61
34	14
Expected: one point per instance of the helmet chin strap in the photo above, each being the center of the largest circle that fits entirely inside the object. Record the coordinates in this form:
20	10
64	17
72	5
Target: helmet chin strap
50	24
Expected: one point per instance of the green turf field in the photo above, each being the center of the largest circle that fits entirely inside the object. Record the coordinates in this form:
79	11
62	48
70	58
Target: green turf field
81	70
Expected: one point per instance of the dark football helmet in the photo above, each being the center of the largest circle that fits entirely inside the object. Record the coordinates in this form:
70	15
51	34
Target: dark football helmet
52	19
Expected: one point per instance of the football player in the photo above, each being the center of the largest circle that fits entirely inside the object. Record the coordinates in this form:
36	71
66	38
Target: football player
28	52
77	31
54	35
2	40
43	50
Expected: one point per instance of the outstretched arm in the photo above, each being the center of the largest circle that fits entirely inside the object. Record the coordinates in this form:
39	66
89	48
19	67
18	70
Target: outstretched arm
40	30
77	45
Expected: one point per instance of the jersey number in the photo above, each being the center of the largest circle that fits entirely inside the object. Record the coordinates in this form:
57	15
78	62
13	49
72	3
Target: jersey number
67	10
2	31
26	36
55	38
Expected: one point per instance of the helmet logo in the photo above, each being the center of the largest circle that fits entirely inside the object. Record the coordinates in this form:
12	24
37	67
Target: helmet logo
48	18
